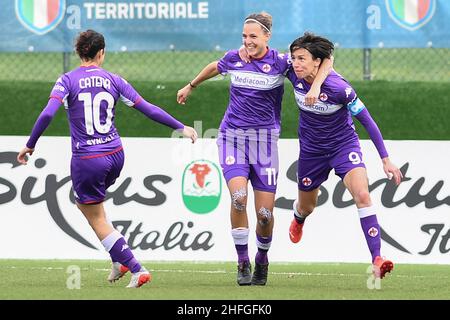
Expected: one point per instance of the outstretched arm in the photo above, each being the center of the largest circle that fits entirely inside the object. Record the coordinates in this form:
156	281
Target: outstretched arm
324	70
208	72
159	115
40	125
374	132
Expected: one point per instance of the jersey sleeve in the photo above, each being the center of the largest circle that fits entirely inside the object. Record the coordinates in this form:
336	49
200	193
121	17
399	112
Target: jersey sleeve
43	121
348	98
128	94
60	90
228	61
284	63
290	74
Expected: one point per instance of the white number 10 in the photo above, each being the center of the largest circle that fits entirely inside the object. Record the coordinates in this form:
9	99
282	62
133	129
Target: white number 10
92	111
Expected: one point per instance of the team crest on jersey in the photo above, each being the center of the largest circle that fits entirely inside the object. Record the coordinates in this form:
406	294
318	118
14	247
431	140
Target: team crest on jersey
411	14
323	97
306	181
41	16
373	232
266	68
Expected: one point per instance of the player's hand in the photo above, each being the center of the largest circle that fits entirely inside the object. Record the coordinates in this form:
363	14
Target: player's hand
392	171
243	54
312	95
189	132
22	155
183	94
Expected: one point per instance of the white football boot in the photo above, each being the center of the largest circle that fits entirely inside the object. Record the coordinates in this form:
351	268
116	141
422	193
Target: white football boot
139	278
117	272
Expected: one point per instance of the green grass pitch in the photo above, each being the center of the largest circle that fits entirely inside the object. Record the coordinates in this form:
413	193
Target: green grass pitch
47	279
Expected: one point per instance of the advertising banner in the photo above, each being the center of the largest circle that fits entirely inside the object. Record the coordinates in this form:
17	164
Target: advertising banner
172	203
142	25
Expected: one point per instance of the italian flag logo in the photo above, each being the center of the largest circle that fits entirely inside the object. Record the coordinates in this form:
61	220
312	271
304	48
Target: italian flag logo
40	16
411	14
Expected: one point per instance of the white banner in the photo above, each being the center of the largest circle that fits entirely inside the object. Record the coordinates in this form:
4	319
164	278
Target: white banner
171	203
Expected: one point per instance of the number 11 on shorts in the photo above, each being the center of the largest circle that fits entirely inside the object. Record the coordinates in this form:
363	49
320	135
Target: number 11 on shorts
271	176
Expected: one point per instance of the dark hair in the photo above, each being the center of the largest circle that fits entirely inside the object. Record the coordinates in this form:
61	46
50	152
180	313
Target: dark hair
88	43
263	18
319	47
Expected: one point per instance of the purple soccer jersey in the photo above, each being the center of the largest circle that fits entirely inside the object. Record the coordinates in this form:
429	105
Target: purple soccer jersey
250	128
256	90
326	126
328	139
89	95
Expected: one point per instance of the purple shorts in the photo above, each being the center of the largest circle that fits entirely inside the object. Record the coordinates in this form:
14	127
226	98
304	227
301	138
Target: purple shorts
254	159
91	176
313	170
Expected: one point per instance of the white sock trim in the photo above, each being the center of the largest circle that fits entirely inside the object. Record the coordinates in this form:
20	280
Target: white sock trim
240	236
366	212
111	239
264	246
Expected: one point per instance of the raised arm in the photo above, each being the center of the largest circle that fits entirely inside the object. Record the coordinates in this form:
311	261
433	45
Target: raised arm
374	132
208	72
131	98
39	127
159	115
324	70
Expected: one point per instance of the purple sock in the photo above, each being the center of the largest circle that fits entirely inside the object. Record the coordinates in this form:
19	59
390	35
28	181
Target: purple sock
120	252
371	230
242	251
263	244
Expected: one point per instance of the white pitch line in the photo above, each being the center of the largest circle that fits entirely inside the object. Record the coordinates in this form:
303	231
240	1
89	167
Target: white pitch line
317	274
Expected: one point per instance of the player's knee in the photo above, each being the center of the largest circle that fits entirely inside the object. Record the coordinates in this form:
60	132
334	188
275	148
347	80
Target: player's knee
362	198
239	199
264	216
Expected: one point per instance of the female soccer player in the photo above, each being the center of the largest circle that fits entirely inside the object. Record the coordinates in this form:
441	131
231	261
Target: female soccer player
89	94
328	141
248	137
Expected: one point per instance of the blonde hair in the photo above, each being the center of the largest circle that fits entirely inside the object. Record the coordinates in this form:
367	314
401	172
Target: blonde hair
263	19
